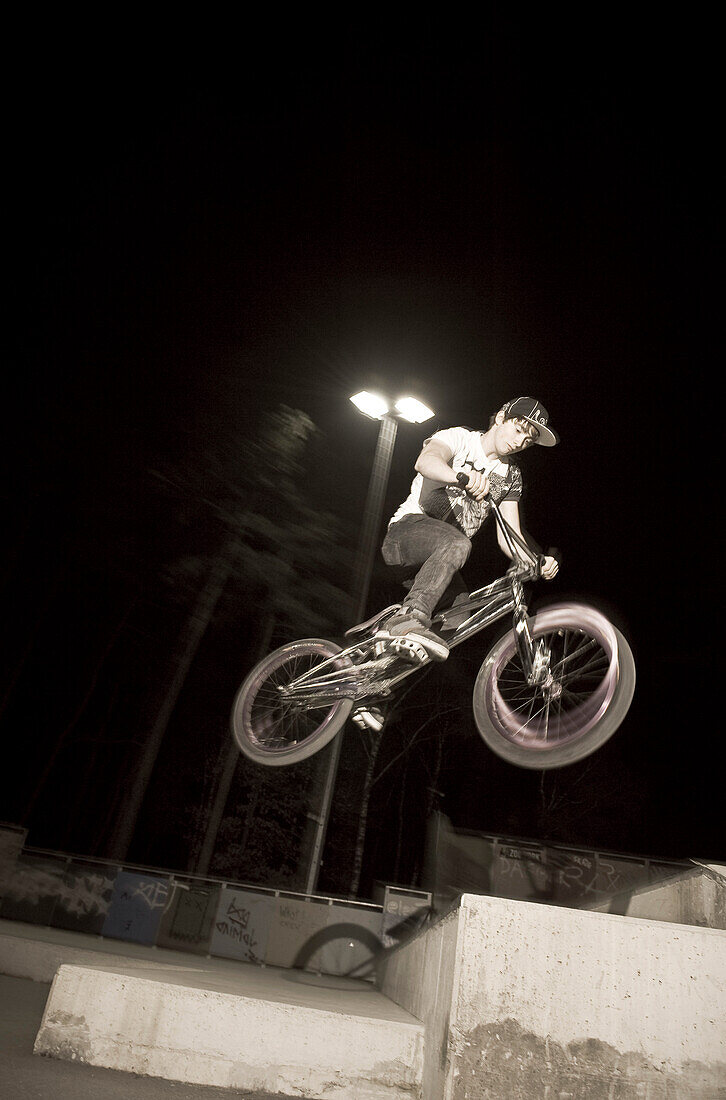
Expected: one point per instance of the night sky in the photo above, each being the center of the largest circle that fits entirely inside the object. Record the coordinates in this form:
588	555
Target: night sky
294	213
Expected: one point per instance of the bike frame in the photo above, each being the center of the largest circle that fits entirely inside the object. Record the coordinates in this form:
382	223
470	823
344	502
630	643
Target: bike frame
367	669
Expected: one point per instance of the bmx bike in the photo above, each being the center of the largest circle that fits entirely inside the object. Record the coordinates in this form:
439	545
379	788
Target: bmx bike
550	692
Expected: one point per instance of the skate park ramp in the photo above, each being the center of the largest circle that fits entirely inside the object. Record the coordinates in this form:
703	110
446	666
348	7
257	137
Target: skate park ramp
150	1011
499	997
695	896
521	999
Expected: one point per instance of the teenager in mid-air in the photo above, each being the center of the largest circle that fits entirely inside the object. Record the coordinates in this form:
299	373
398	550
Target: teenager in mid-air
429	536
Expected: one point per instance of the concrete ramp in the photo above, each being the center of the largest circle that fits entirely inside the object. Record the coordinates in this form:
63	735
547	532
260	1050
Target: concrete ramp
513	999
526	1000
696	896
318	1041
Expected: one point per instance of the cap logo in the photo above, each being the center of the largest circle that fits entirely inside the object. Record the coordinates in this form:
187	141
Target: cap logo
529	408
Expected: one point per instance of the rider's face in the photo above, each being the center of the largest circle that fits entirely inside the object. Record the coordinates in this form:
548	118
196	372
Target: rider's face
513	436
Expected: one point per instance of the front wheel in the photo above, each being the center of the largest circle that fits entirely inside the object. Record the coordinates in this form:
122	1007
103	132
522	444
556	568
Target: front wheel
274	729
579	702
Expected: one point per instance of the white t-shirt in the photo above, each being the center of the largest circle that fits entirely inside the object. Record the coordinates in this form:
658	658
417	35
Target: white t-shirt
450	502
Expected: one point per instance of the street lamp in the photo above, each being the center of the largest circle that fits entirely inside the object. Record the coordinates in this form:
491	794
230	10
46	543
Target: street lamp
376	407
379	408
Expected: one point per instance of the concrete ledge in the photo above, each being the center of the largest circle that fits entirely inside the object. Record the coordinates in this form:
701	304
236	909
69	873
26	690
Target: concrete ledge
27	951
523	1000
695	897
35	952
162	1026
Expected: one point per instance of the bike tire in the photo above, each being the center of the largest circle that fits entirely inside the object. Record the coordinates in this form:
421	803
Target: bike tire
275	733
531	730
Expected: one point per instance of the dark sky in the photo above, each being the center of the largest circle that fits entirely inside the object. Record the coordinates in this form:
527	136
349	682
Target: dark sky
291	213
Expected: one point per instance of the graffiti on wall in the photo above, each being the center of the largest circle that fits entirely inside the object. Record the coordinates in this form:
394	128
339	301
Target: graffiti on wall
241	925
137	903
186	923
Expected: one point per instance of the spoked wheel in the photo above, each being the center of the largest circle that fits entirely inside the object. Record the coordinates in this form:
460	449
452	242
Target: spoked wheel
581	700
273	729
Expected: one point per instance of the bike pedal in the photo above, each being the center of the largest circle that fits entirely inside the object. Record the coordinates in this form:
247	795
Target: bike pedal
408	649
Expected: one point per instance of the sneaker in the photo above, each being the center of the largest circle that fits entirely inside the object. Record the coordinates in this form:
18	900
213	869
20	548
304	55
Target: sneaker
408	631
369	718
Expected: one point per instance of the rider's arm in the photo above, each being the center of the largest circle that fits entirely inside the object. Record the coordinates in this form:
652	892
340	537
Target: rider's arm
434	463
510	512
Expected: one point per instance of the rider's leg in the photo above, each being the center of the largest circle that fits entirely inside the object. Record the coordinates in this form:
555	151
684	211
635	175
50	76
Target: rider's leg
456	592
440	551
452	617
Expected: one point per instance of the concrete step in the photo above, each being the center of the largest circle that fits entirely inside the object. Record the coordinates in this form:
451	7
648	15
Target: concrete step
197	1028
527	1000
368	1046
696	896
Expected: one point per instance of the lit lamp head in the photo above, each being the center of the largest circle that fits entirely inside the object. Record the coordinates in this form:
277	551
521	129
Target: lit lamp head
413	410
375	406
371	404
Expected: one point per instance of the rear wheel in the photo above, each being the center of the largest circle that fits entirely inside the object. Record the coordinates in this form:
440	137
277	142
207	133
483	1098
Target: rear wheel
579	704
273	729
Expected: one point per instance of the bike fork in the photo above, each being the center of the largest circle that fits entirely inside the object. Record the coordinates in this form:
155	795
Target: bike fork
533	655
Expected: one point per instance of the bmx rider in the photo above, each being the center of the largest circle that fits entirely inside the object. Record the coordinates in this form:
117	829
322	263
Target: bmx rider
429	536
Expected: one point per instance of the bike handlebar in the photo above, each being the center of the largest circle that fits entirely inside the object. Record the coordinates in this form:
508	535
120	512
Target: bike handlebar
536	567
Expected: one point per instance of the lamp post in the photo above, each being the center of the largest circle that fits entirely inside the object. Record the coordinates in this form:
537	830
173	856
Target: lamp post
377	408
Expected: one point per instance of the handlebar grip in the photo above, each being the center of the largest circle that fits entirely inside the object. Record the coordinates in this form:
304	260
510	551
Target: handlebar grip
552	552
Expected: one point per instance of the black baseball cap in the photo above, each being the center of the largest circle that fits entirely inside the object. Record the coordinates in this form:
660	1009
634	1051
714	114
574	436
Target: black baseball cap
528	408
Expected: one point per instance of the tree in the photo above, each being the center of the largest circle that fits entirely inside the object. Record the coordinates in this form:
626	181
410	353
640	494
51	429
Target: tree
371	803
276	548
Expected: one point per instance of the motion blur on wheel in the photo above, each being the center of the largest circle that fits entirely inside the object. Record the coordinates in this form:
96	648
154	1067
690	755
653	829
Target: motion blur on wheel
569	703
281	714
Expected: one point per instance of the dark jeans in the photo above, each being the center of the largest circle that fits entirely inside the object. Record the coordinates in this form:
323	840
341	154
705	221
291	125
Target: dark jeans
430	551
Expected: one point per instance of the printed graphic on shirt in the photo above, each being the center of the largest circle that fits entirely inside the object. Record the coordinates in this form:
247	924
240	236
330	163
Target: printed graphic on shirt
451	503
454	505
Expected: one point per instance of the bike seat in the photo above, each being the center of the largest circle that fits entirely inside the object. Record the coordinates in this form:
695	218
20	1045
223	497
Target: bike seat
372	623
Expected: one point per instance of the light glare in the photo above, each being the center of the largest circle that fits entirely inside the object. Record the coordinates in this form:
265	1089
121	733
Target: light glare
372	404
413	410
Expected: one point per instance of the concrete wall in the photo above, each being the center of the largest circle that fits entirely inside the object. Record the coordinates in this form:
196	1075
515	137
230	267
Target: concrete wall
251	924
460	862
548	1001
698	897
423	978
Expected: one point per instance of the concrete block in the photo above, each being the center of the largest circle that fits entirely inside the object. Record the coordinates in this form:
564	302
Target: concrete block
697	897
549	1001
166	1027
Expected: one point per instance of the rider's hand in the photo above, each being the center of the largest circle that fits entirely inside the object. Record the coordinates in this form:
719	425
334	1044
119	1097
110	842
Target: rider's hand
550	567
478	484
